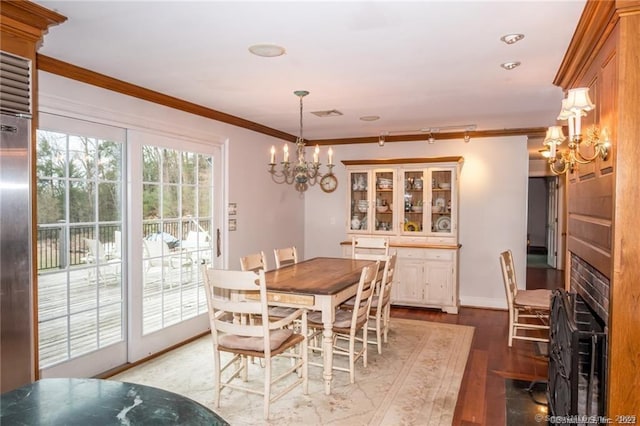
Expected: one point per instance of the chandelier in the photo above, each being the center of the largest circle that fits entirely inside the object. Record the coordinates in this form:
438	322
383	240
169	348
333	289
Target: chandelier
574	107
301	173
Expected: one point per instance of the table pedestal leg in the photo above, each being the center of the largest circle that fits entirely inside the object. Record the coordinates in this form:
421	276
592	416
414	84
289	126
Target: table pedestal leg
327	353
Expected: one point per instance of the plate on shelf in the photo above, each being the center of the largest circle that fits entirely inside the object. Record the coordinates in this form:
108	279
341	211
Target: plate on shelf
411	227
440	203
443	224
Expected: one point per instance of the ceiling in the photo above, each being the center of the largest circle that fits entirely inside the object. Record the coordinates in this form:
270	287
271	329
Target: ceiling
417	65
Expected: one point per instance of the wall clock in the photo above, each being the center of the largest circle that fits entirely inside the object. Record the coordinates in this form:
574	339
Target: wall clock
329	183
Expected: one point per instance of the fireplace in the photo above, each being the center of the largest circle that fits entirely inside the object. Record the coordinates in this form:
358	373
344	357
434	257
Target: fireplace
577	357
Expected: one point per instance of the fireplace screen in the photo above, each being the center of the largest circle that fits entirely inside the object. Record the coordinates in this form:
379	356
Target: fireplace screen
577	358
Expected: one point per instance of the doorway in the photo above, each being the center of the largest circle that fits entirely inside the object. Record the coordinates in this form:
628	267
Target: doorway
542	222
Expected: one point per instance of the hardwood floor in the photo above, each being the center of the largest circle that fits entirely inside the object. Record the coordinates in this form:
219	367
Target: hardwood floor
482	395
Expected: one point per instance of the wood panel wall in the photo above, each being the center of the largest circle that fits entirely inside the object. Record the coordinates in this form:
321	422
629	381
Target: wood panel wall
603	197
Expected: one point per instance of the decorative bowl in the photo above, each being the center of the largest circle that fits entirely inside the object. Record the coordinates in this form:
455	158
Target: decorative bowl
436	209
416	209
382	209
444	185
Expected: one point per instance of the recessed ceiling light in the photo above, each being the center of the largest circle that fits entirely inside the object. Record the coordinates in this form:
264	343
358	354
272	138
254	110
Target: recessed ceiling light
267	50
327	113
370	117
510	65
512	38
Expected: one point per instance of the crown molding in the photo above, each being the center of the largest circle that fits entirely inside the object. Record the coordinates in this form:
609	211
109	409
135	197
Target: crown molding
64	69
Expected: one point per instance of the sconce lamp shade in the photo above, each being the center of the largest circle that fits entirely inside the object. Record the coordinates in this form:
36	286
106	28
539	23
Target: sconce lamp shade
554	135
578	100
565	113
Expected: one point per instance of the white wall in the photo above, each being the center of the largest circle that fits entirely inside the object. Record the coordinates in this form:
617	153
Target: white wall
493	208
493	186
269	215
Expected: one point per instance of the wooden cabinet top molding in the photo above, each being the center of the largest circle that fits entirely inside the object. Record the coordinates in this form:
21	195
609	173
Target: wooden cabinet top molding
403	161
31	14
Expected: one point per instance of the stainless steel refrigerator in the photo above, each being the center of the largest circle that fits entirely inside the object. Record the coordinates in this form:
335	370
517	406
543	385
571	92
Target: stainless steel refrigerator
16	292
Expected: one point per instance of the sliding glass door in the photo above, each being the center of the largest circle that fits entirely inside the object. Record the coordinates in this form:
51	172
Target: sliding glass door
80	211
174	231
126	221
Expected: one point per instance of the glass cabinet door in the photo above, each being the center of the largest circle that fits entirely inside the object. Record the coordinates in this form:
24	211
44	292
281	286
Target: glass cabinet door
384	198
359	201
441	201
413	200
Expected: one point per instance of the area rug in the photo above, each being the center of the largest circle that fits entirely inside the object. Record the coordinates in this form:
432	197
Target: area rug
415	381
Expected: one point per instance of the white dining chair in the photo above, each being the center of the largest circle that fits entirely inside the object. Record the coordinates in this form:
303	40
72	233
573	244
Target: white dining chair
380	312
348	324
266	340
532	306
369	248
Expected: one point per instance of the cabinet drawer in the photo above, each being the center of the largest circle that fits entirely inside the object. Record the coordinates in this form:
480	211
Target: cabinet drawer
439	254
427	254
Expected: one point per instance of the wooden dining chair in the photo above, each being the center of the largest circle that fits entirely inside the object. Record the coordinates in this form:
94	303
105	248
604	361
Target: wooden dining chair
285	256
531	305
253	262
267	340
348	324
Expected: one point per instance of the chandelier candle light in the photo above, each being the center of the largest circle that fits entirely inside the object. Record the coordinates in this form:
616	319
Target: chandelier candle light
302	173
574	107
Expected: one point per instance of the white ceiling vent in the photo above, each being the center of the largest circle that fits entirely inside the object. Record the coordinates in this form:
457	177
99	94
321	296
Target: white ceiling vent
328	113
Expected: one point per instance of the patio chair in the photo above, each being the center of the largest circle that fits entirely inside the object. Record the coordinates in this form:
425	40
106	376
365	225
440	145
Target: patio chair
243	340
524	304
108	269
198	242
158	254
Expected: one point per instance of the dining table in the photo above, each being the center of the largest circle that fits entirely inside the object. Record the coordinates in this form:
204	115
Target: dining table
319	284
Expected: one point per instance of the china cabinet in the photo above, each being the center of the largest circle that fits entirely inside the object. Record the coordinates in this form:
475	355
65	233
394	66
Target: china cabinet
415	203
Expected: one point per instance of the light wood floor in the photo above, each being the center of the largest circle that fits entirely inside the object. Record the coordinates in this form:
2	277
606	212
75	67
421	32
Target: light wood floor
482	396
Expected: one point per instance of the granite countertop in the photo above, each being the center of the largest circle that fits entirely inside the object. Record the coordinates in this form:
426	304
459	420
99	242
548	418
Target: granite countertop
84	402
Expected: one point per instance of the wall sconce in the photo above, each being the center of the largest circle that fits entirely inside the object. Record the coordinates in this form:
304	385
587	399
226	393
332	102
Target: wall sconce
574	107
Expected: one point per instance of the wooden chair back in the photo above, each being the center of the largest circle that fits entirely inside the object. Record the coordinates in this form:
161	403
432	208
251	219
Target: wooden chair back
253	262
285	256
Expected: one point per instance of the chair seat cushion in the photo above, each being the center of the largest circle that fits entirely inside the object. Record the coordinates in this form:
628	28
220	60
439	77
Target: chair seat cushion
276	339
534	298
349	303
342	320
280	312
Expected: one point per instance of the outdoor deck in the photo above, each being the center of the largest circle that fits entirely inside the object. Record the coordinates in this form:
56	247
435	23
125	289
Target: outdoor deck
88	313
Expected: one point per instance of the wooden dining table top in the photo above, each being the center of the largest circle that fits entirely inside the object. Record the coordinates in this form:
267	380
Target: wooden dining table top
317	276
